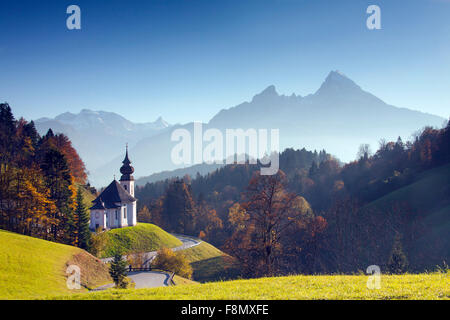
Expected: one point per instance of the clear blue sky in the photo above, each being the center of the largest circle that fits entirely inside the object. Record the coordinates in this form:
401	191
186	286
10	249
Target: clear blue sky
186	60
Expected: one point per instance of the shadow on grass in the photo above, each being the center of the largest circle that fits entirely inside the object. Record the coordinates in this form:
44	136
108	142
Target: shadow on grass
215	269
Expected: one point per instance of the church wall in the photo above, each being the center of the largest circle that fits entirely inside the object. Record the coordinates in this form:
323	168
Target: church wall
129	186
113	222
97	218
124	220
132	218
107	218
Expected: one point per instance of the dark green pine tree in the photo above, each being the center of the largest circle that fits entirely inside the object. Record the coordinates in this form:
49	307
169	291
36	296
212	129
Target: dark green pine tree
398	262
179	208
313	170
31	132
8	129
69	227
82	222
118	271
58	179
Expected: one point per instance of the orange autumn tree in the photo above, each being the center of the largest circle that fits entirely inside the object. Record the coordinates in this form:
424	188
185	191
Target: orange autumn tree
207	222
38	178
33	216
62	143
261	222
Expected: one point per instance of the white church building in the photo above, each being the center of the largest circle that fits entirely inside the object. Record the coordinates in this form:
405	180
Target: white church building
115	207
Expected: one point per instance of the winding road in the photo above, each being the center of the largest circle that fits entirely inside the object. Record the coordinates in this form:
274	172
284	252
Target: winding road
151	279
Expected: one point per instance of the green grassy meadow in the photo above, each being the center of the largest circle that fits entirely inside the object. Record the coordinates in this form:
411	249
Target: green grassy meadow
31	268
211	264
180	281
336	287
143	237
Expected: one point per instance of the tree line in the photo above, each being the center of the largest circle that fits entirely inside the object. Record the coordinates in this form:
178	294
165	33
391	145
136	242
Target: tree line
314	215
41	181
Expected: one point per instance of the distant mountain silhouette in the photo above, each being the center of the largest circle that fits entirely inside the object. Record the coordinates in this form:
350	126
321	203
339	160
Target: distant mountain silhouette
338	117
100	136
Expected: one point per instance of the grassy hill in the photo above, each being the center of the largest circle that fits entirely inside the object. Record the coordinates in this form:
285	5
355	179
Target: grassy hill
88	197
419	286
180	281
429	189
211	264
428	195
33	268
142	237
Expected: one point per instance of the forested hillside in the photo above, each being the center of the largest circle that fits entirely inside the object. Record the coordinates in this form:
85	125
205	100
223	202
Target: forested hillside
41	181
317	214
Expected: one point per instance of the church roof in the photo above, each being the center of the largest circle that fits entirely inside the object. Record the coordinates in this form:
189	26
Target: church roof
112	196
126	170
98	204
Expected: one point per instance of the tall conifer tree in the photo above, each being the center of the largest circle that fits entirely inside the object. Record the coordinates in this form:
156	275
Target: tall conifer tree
82	222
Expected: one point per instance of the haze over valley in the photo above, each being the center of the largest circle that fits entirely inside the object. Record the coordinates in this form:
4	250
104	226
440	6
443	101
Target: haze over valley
338	117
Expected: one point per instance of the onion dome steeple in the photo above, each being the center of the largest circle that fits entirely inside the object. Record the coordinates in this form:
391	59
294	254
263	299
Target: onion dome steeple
126	170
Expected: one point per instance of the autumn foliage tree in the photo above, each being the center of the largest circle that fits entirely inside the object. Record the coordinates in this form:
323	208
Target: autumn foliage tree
346	227
207	222
37	181
179	208
144	215
261	223
74	162
171	261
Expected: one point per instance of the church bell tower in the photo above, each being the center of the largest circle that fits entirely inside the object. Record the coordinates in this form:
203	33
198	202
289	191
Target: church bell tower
127	180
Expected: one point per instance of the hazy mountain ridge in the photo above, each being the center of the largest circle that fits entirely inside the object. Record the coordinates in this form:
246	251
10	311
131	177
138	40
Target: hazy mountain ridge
338	117
110	122
100	136
336	95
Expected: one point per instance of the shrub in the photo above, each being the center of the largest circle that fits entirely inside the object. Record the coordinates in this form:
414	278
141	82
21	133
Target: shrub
98	242
168	260
125	283
136	259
